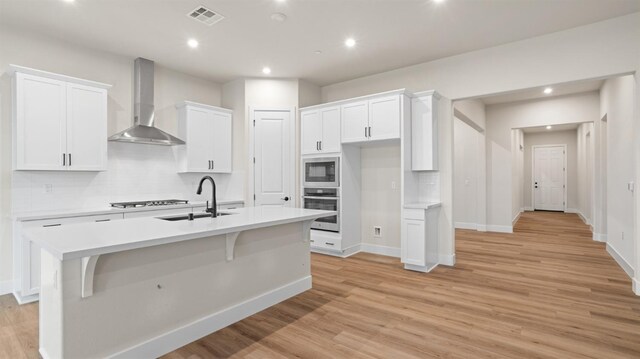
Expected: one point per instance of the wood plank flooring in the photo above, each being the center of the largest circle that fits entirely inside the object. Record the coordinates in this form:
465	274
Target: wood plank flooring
546	291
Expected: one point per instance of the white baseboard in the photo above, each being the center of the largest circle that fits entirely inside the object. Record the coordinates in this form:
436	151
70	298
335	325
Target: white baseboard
516	218
447	260
348	252
582	216
528	209
6	287
499	229
600	237
381	250
636	286
481	228
179	337
463	225
621	262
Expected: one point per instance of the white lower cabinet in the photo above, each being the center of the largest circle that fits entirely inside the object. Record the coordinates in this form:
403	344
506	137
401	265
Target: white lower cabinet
28	253
419	237
324	241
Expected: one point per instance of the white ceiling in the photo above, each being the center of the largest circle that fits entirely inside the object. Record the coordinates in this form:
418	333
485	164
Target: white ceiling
538	92
390	33
554	128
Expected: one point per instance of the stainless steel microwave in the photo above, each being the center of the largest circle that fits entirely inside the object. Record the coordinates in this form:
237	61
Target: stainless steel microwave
321	172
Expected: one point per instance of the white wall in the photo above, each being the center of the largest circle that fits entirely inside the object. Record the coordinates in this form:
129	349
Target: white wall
517	175
380	167
135	171
466	166
469	143
568	138
617	102
502	118
585	180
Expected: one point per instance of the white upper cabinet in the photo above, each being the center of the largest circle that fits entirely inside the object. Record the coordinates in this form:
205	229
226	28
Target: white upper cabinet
424	133
311	132
384	118
370	120
355	121
60	122
320	132
207	131
86	128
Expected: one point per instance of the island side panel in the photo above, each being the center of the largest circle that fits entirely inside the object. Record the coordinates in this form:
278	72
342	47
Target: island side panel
141	295
50	306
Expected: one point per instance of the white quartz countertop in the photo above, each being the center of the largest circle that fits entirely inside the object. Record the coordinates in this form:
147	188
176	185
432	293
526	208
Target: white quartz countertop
422	205
64	213
96	238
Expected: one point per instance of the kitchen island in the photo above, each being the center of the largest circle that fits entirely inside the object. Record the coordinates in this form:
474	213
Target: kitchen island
139	288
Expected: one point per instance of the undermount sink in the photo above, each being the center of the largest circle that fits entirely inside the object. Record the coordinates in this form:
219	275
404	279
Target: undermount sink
185	217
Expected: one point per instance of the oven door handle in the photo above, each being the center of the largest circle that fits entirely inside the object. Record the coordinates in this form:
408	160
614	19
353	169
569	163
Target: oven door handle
317	197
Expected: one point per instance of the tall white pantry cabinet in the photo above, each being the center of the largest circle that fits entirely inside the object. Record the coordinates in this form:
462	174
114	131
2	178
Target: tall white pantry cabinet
59	122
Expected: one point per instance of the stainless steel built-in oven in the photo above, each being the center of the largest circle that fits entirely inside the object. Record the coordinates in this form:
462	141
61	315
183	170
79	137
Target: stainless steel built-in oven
327	199
322	172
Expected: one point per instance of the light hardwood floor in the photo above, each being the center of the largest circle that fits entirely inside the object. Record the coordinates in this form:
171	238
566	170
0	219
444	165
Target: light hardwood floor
547	291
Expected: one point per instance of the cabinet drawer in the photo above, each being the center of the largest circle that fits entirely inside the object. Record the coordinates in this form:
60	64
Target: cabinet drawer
157	213
416	214
70	220
231	205
324	240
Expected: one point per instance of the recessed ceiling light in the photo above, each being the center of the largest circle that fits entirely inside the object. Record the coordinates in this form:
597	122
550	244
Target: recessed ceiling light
193	43
317	52
438	1
281	1
68	0
350	42
548	127
266	70
548	90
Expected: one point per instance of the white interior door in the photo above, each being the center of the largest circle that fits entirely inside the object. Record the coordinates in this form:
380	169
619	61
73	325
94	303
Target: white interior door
549	178
273	169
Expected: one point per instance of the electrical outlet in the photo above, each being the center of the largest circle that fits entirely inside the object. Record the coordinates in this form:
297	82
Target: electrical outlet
377	231
48	188
393	184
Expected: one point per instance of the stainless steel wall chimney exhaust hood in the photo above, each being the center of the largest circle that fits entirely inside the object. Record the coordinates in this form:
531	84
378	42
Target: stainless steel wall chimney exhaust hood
143	129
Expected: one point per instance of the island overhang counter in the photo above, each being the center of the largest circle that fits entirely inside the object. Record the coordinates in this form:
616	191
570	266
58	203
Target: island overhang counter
142	287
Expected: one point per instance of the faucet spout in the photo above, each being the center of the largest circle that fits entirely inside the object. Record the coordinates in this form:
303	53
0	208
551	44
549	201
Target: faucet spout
214	203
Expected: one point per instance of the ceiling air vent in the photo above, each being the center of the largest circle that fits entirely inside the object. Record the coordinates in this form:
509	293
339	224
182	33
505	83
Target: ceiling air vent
205	16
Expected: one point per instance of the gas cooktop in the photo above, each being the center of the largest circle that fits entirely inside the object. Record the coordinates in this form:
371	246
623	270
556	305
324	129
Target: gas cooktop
162	202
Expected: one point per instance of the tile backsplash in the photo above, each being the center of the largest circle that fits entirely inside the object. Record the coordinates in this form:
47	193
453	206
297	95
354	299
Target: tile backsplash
429	186
135	172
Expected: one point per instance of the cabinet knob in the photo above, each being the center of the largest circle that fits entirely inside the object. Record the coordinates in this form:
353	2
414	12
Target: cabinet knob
286	198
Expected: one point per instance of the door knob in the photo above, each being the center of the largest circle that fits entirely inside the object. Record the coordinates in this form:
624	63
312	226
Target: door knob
286	198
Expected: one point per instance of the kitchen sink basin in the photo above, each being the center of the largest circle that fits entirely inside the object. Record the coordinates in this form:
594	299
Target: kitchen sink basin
185	217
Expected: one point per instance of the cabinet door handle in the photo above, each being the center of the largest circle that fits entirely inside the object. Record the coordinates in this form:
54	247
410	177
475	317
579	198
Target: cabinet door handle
69	160
103	220
369	131
213	165
329	243
365	132
64	159
51	225
320	145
